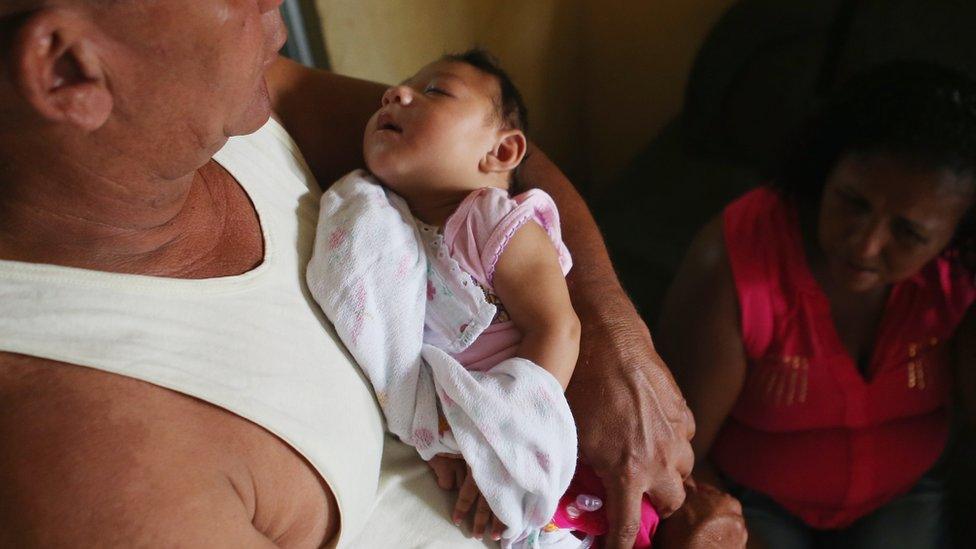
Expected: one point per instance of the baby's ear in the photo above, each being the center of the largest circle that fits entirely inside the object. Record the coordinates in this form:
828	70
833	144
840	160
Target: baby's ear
507	153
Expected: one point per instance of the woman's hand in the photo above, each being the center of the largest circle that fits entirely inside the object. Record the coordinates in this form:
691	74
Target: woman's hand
634	426
708	519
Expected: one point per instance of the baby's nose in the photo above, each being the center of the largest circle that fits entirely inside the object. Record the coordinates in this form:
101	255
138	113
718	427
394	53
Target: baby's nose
397	94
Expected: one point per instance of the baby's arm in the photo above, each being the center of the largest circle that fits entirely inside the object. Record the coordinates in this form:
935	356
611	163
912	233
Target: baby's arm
529	281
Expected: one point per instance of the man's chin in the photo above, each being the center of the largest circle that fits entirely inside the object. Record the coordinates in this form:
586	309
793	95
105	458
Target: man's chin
257	124
256	115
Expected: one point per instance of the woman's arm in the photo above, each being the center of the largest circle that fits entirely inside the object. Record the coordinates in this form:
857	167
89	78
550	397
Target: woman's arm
701	338
530	282
700	335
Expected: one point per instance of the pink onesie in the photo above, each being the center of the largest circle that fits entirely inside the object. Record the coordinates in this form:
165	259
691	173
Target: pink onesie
476	235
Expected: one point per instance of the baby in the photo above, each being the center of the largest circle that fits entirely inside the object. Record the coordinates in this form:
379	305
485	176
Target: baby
449	140
450	292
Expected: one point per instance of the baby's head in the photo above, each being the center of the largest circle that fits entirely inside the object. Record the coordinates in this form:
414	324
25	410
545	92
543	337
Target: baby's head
456	125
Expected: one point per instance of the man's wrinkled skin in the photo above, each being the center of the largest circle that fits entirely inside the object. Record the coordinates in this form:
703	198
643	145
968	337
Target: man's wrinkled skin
112	111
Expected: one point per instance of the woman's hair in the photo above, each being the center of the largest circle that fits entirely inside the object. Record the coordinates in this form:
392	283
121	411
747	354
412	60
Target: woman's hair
917	112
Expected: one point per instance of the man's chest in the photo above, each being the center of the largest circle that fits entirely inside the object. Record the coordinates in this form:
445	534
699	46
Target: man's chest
224	234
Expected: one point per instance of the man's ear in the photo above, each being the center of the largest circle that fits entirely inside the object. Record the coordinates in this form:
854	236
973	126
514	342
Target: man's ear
507	153
53	66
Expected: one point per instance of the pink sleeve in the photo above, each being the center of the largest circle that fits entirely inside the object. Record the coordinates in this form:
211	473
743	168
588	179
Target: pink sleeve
477	233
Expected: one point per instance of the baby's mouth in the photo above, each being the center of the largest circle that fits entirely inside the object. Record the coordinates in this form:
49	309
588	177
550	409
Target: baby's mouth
385	122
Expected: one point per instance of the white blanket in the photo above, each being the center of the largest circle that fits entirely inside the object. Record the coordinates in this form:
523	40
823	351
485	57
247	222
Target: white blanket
369	273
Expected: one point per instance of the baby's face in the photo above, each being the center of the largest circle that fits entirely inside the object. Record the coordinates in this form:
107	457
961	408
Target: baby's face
432	131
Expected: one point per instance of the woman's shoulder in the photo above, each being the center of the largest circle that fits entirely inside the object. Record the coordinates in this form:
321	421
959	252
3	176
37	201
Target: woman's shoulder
727	235
757	204
707	253
761	227
764	260
953	284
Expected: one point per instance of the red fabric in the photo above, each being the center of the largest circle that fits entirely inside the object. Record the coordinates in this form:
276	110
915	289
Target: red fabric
807	429
594	523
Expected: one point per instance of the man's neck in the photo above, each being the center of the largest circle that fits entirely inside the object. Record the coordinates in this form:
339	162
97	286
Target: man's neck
64	213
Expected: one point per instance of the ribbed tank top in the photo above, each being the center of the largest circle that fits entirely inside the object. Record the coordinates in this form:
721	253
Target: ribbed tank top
254	344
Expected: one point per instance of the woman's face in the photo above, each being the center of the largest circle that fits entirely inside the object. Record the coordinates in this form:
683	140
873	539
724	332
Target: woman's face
881	219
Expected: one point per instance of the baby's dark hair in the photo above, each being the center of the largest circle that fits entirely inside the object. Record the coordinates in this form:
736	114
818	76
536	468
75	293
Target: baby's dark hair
509	106
917	112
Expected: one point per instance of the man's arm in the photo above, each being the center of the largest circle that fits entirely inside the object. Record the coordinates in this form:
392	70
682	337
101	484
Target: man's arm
325	113
634	426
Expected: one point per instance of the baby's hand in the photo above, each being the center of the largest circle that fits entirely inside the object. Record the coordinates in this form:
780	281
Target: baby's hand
449	469
470	496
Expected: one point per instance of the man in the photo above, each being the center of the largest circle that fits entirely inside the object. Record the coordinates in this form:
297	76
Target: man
127	248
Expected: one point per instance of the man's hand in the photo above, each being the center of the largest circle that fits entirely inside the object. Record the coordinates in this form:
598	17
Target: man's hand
634	426
709	519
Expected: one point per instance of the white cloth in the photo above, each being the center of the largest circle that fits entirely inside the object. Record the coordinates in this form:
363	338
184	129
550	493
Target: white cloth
369	271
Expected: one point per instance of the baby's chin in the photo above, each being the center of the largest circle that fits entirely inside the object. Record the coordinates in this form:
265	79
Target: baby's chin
389	177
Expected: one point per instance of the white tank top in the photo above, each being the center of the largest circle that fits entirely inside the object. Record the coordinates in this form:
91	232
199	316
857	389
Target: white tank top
255	344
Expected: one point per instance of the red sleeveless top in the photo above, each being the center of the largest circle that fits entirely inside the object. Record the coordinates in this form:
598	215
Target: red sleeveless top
807	429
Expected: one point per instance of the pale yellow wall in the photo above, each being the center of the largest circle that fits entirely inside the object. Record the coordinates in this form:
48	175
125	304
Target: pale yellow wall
388	40
601	77
637	60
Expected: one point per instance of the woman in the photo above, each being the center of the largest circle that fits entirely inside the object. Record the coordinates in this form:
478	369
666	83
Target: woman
812	323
